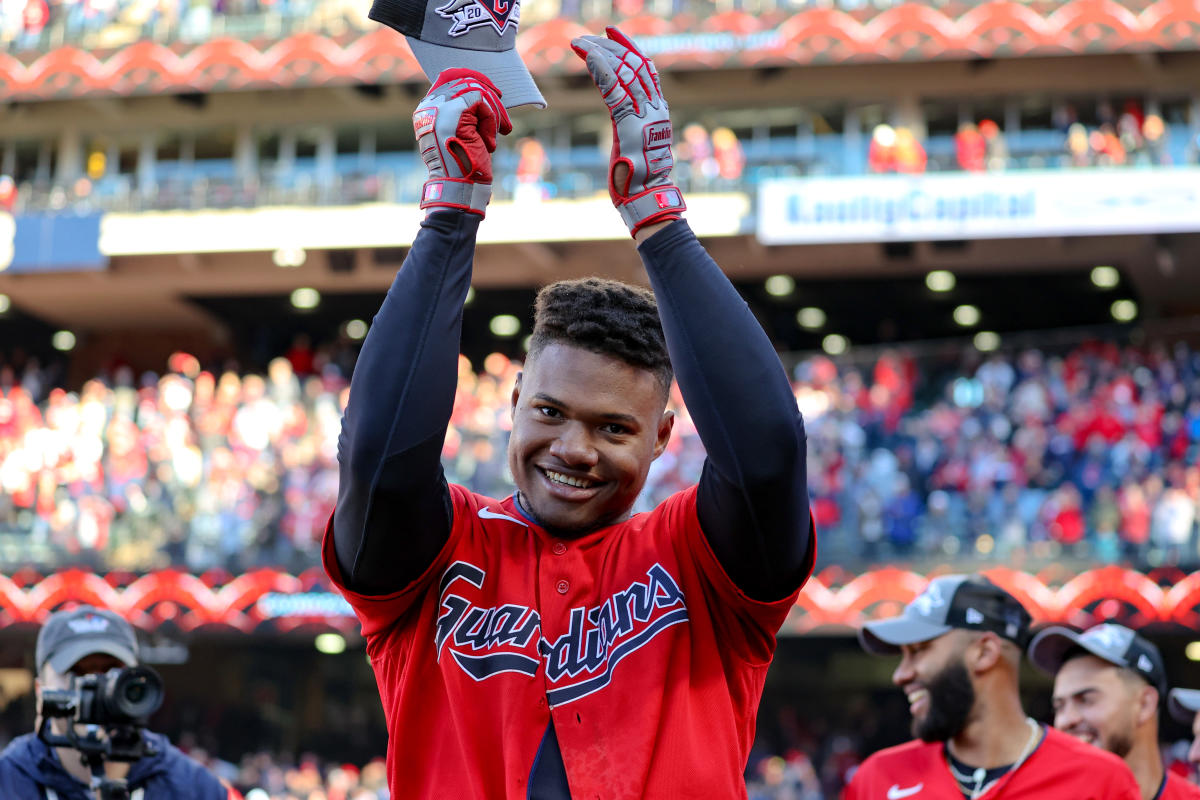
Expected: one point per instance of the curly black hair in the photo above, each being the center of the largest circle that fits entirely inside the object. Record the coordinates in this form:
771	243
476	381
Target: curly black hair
603	316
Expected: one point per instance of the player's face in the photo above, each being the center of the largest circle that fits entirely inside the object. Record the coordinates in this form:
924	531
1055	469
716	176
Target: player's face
585	428
934	677
1093	703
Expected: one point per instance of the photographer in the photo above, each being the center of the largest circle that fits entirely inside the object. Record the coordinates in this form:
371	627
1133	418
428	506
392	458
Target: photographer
89	702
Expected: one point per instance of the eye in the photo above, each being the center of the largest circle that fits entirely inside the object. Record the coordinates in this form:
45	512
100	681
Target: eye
614	428
548	411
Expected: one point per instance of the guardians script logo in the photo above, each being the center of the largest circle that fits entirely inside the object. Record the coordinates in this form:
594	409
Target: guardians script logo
490	641
467	15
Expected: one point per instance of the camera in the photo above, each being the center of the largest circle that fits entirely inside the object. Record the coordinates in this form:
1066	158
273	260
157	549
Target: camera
117	697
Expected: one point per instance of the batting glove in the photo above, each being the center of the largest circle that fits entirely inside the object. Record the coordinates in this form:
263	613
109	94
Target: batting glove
641	123
456	126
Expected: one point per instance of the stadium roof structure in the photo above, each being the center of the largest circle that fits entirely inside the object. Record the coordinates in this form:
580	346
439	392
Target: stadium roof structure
910	31
833	602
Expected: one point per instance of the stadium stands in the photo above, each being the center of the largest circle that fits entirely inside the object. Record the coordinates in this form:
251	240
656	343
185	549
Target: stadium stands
1088	454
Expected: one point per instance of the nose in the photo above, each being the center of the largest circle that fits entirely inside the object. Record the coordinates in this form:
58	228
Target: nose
904	672
573	446
1066	717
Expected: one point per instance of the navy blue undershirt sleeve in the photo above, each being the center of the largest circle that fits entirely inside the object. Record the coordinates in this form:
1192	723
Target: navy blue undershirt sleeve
753	494
393	510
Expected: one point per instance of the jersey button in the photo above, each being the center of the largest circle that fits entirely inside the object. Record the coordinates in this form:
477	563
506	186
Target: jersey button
562	587
559	548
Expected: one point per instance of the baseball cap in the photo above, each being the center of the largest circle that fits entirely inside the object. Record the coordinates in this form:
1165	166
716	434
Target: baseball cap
468	34
971	602
1109	642
1184	704
71	635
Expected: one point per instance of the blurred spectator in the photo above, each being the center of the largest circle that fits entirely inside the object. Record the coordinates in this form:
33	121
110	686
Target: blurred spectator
531	169
696	152
727	151
8	193
910	154
881	156
1154	142
995	145
970	148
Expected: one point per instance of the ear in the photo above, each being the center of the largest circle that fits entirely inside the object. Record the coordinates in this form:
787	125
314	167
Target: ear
516	394
666	424
1147	704
984	653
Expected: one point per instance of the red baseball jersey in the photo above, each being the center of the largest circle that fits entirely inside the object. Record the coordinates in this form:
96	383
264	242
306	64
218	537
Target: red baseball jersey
1060	768
632	638
1177	788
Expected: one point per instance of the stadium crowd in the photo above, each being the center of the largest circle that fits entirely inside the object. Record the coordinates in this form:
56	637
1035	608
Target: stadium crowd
1091	453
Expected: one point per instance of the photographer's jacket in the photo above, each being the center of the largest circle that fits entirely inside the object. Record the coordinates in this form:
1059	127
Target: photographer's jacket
29	770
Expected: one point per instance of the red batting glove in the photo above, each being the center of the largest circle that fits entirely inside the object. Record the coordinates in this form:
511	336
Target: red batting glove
641	123
456	126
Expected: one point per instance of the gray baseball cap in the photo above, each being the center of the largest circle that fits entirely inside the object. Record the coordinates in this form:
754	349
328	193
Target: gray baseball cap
1109	642
468	34
1184	704
970	602
71	635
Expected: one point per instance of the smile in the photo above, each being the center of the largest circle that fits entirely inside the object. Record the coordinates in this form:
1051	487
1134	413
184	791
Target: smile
567	480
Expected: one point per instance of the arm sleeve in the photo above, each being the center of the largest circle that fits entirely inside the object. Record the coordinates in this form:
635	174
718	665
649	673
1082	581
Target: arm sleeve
393	510
752	499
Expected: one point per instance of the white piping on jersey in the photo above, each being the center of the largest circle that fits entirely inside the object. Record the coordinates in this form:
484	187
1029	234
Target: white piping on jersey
137	794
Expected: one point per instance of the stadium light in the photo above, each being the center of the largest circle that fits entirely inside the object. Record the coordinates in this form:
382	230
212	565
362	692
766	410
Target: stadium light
835	344
306	298
289	257
470	296
1105	277
966	316
5	304
356	329
940	280
527	342
1124	310
780	285
987	341
504	325
63	341
330	643
811	318
1192	651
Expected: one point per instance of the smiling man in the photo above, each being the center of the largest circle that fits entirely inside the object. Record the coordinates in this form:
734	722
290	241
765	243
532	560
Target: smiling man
960	644
551	644
1108	685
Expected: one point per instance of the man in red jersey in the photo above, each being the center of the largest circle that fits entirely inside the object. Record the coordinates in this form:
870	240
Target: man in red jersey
1185	708
552	645
960	644
1108	684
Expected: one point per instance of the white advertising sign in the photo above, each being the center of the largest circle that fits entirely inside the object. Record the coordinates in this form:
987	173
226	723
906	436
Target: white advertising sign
962	205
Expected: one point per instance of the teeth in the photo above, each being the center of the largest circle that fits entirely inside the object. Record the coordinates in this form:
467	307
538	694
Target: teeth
917	695
558	477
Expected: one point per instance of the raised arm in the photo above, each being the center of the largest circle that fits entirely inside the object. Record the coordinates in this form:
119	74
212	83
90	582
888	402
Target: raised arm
753	494
393	511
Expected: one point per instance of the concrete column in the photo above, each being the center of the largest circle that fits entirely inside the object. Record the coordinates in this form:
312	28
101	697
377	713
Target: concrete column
287	153
147	163
326	156
70	156
245	152
367	142
8	162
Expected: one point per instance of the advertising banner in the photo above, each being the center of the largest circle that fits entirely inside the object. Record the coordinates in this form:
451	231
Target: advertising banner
1086	202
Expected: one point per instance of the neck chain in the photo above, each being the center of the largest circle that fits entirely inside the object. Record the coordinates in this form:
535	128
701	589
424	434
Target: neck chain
980	775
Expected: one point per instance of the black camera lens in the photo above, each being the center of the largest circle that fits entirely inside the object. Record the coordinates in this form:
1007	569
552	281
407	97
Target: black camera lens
133	693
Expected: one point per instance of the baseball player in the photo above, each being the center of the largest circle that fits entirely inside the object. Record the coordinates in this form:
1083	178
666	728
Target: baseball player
1185	707
551	645
960	645
1108	682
